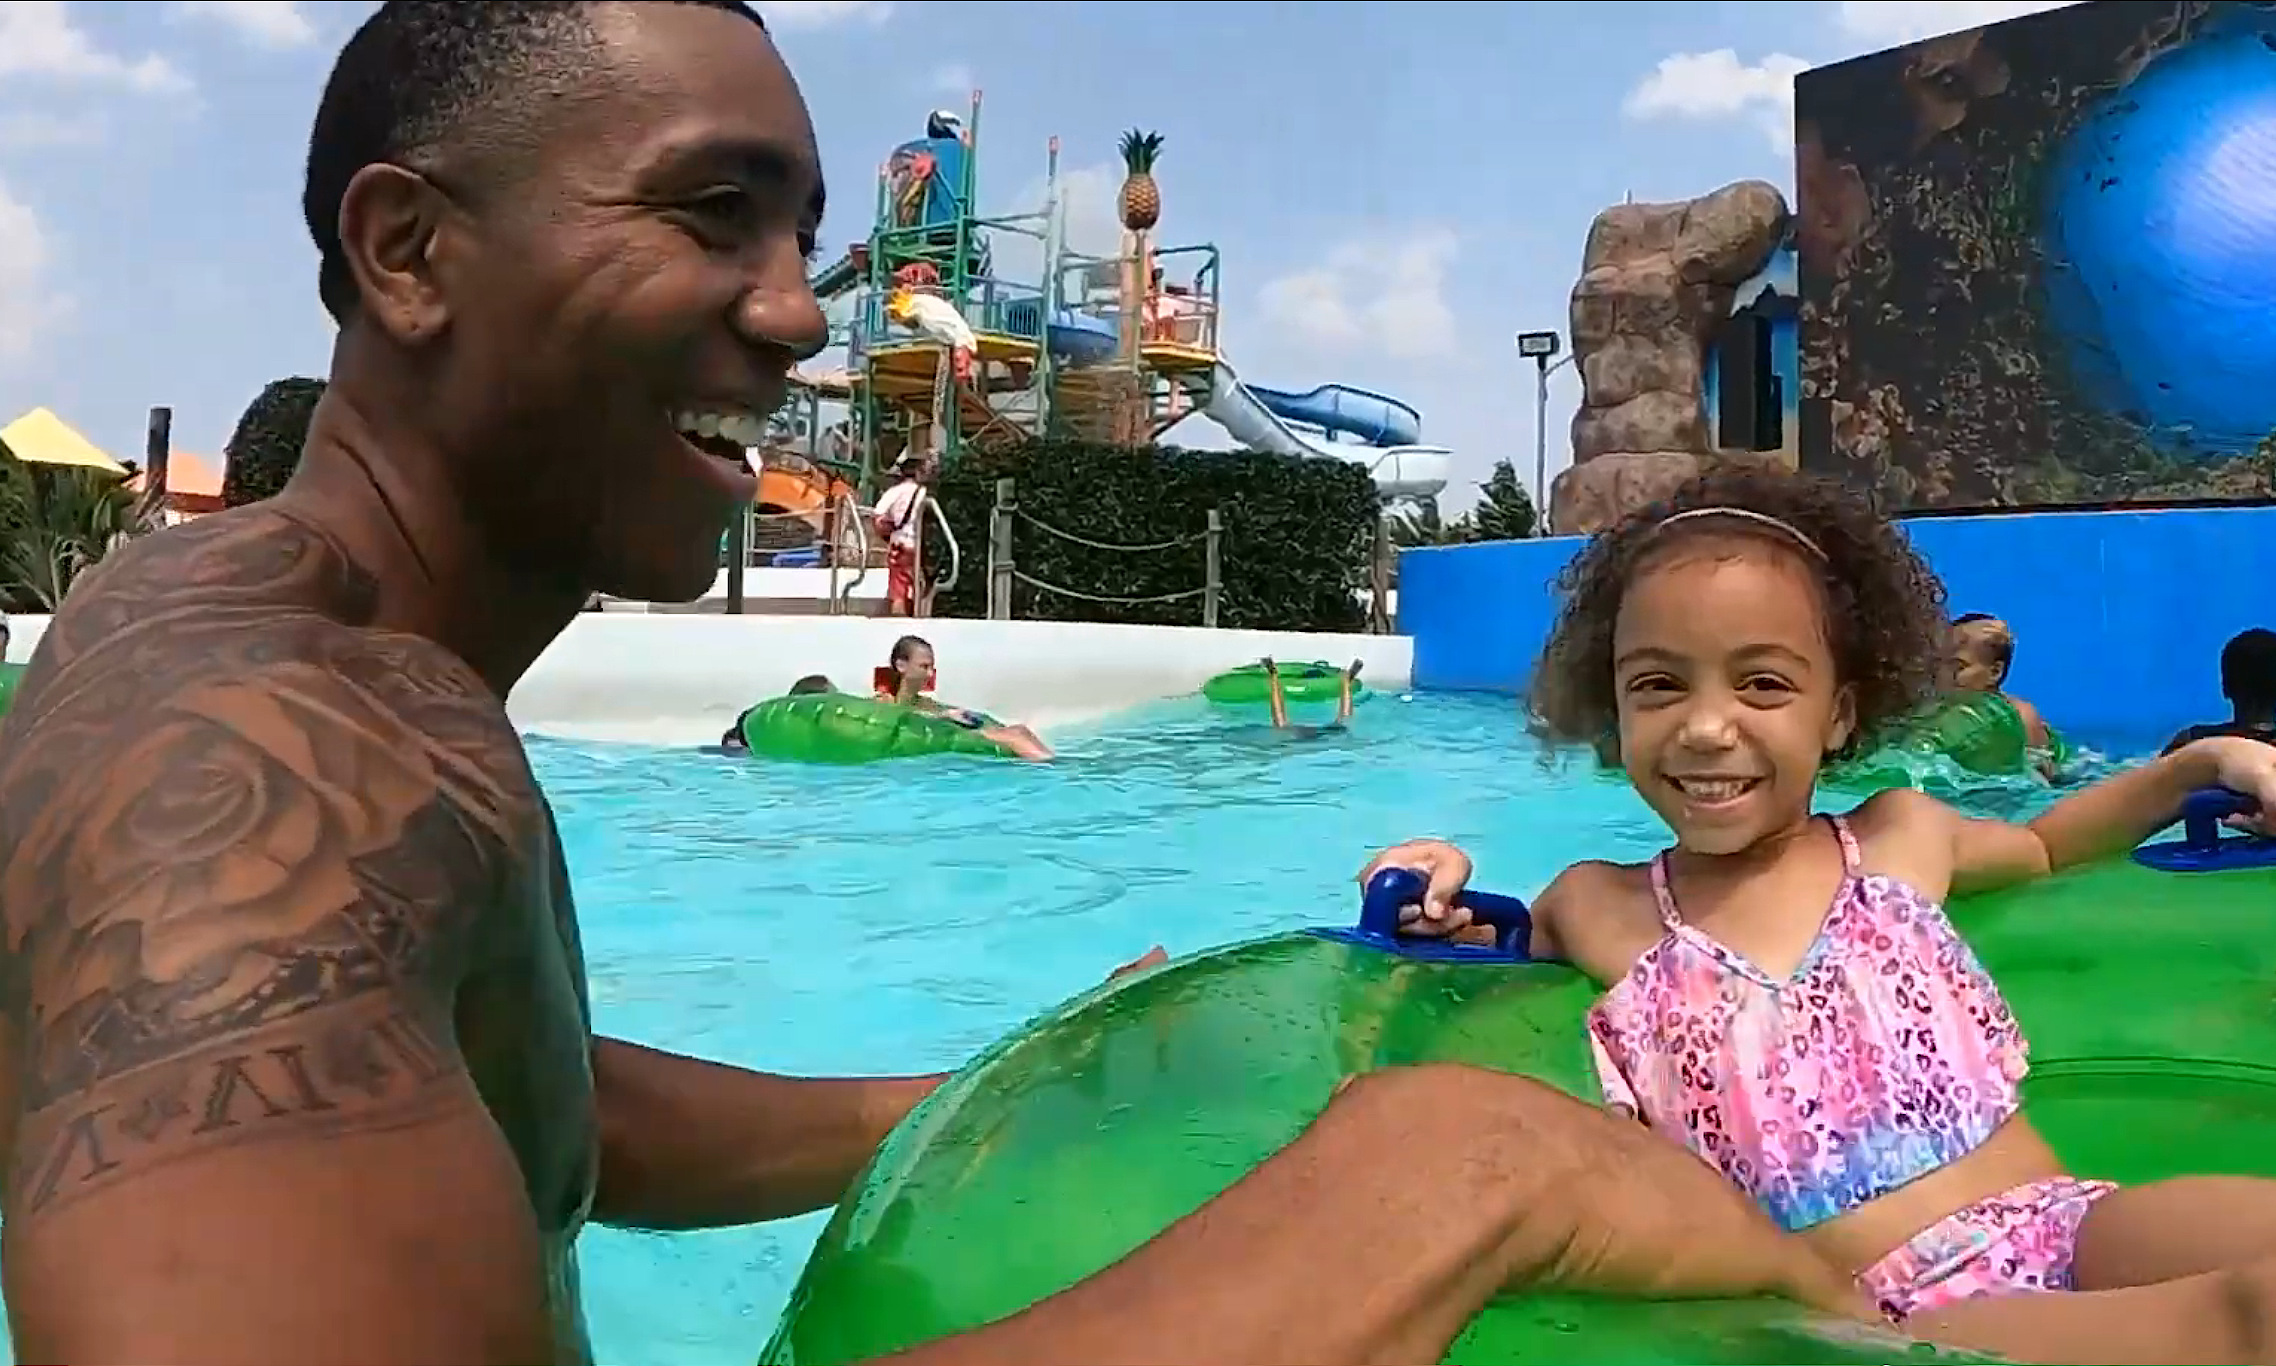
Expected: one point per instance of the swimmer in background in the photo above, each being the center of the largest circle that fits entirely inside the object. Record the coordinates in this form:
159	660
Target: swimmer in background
2248	681
733	743
910	670
1983	649
1279	700
1786	997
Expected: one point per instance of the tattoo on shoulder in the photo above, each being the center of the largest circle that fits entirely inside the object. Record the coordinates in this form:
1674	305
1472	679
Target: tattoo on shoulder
242	911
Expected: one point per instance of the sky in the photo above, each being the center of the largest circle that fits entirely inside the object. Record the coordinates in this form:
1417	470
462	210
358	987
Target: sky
1396	189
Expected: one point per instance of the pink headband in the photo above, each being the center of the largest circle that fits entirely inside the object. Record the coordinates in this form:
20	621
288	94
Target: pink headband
1762	519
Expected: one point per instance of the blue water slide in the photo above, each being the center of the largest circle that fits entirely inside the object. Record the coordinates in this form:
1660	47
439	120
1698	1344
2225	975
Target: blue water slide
1078	338
1377	419
1082	338
1280	422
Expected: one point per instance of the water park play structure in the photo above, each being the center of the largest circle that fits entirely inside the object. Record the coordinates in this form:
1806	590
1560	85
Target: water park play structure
945	351
989	1197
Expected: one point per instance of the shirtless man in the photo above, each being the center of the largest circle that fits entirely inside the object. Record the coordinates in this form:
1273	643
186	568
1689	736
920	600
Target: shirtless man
296	1063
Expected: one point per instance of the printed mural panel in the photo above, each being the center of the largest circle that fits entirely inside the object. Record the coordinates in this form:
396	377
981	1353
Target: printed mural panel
2038	261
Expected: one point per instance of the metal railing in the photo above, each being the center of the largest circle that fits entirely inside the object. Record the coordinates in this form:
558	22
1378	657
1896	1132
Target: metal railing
844	512
1004	572
955	554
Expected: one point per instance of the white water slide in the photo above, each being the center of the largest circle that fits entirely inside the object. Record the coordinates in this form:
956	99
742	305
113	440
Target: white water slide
1307	424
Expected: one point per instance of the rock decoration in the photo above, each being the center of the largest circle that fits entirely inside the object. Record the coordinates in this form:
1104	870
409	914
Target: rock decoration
1657	280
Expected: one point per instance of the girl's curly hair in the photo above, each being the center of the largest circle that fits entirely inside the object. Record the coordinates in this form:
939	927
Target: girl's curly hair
1885	613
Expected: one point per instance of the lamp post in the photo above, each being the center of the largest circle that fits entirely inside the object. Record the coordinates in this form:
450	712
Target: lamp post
1542	349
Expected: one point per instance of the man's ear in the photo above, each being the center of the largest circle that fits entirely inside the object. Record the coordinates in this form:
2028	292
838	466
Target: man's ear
389	219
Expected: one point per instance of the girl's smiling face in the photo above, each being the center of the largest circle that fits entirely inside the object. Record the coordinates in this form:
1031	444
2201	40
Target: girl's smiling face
1729	700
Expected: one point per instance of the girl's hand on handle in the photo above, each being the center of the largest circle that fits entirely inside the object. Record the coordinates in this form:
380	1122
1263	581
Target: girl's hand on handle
1448	870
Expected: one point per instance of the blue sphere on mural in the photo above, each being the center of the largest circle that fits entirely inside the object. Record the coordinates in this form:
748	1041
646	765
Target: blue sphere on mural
2160	238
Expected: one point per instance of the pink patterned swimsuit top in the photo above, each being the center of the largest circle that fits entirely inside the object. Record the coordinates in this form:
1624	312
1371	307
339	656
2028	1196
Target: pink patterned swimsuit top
1888	1053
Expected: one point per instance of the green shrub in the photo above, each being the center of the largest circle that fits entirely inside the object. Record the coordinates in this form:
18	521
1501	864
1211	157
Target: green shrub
1294	555
56	523
264	450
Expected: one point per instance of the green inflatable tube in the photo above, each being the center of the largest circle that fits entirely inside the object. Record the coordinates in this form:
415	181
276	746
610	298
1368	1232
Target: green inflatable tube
839	728
10	676
1317	681
1081	1136
1981	735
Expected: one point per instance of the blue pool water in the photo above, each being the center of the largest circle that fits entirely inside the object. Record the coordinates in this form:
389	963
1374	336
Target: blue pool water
899	917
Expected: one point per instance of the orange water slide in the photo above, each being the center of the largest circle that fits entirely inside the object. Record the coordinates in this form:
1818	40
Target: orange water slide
792	484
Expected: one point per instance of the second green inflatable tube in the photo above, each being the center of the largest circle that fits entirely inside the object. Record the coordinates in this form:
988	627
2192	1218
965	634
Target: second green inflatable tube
839	728
1063	1148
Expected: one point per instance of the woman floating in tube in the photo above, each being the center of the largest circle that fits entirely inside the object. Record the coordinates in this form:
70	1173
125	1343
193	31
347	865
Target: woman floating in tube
910	670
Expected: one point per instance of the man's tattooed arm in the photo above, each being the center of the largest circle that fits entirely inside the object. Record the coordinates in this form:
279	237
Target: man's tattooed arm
237	920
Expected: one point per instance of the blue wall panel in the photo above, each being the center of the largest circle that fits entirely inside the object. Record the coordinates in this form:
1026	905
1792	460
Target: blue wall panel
2119	616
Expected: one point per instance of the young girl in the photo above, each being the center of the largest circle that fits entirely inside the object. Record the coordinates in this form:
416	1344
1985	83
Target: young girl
1787	997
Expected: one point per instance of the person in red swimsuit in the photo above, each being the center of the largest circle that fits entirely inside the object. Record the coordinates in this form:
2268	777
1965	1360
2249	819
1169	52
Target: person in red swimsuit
899	518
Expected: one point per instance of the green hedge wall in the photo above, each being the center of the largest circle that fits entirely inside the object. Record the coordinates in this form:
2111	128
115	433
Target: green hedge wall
1297	533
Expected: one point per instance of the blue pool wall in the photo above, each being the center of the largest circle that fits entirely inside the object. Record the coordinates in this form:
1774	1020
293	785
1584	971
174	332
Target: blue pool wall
2119	616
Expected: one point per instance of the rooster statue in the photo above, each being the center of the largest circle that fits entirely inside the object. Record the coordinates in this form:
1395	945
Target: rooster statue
936	319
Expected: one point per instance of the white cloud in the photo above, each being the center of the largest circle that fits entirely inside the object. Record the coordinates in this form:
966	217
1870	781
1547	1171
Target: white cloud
1710	86
1878	24
264	23
1717	85
34	129
1380	293
1087	208
806	14
1090	208
37	38
28	301
953	79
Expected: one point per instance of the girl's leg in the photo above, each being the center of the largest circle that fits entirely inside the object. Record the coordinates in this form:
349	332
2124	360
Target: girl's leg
2219	1316
2171	1271
2165	1230
1343	701
1273	695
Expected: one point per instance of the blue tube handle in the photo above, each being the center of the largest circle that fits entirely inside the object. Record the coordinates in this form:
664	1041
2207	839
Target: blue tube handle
1392	889
2207	807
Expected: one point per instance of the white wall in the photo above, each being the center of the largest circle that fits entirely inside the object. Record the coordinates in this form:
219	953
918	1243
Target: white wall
24	634
682	679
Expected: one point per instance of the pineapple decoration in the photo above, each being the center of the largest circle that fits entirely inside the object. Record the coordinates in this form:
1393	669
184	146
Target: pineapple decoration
1141	200
1141	207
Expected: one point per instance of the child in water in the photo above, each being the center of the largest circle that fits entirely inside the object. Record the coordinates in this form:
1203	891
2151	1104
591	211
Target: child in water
910	669
1787	998
732	741
1279	700
1983	650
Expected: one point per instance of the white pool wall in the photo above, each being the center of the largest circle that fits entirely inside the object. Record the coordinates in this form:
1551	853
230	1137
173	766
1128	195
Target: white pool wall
680	679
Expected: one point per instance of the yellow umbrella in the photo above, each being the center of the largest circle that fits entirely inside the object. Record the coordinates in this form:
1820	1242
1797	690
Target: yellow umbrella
39	437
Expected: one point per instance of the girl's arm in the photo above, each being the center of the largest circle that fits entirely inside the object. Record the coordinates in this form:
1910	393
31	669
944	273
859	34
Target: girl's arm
2108	818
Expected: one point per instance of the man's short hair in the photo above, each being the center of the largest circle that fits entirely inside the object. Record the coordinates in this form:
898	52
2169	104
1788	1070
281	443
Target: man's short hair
2248	671
423	80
